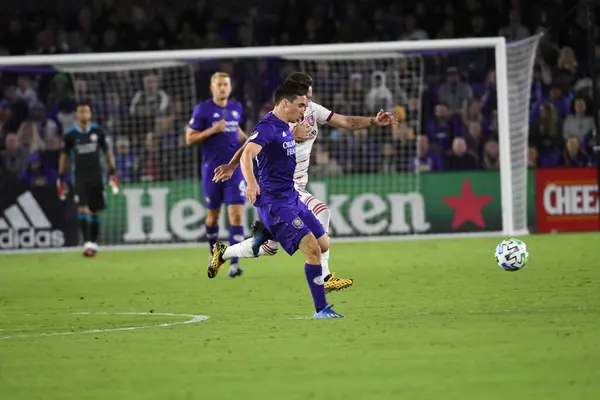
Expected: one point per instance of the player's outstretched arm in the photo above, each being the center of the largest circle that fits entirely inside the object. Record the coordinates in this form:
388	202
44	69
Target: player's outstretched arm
250	152
355	123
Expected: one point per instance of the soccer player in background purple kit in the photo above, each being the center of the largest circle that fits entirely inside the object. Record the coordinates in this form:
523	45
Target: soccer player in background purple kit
215	125
275	197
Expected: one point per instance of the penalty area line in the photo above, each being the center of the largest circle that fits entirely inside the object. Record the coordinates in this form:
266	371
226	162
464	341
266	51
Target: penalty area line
192	319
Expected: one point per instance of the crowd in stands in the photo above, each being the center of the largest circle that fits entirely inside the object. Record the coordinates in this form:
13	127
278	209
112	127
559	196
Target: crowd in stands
447	115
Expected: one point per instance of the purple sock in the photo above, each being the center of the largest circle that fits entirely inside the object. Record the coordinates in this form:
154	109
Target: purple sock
316	285
211	235
236	235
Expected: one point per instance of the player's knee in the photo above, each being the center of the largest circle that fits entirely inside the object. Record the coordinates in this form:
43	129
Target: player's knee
83	210
323	242
212	217
312	250
236	214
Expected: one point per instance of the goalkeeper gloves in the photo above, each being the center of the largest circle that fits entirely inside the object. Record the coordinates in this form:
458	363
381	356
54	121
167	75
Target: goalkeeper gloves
62	188
113	182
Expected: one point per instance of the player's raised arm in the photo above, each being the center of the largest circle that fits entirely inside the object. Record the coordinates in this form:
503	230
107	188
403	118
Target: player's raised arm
197	131
250	152
354	123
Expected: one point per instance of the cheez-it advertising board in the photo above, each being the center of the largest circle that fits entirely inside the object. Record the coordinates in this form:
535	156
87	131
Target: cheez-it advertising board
567	200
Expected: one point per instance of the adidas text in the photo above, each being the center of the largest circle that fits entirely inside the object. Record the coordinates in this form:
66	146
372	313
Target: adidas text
31	238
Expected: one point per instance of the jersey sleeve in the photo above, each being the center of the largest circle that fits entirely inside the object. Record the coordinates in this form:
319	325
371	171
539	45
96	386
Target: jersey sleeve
261	135
68	146
198	120
102	141
322	114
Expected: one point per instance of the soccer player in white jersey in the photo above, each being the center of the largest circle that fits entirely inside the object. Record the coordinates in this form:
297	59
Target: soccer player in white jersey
314	116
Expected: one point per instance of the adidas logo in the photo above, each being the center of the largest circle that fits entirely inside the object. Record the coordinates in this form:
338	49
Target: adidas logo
283	134
24	225
216	115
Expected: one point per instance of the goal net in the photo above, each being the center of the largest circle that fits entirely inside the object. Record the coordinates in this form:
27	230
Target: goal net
377	182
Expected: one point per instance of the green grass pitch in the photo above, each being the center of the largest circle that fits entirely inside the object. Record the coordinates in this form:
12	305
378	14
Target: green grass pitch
425	320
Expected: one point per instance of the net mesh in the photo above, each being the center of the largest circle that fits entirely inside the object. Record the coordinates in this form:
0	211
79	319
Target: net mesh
520	59
375	160
145	110
372	180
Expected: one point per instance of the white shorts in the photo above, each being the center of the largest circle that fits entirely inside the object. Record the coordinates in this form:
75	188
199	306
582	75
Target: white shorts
315	205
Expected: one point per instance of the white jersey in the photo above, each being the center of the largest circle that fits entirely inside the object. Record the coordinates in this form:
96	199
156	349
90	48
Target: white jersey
315	115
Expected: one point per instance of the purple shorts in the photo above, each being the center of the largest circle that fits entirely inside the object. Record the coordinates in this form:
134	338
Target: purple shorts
232	191
289	223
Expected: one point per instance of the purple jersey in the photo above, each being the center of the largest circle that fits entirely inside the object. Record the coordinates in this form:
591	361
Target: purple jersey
279	205
219	148
276	161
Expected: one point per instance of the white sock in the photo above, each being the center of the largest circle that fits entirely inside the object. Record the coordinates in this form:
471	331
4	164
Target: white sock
323	216
244	250
325	264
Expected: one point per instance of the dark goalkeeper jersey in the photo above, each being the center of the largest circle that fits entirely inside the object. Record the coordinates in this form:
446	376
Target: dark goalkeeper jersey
86	149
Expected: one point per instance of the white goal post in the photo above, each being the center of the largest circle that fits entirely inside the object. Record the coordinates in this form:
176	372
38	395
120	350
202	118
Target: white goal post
181	220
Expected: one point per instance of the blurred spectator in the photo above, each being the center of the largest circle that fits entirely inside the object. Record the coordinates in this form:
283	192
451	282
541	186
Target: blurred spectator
388	164
37	174
443	127
25	91
573	156
151	101
491	156
380	96
323	164
53	147
4	119
46	126
474	138
459	158
360	154
355	94
29	138
532	157
578	124
514	31
125	160
426	160
545	135
453	92
149	162
489	99
412	31
447	31
60	91
472	113
567	60
212	38
13	157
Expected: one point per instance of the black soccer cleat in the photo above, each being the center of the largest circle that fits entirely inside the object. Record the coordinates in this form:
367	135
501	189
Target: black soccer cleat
260	236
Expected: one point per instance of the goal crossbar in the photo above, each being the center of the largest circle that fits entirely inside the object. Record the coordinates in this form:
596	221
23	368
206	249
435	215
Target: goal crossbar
253	52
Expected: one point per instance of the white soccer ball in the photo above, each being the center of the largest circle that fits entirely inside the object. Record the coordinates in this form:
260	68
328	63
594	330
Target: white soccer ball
512	254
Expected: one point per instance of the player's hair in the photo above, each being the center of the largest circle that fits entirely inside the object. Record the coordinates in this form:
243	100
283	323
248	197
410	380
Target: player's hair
289	90
83	103
218	75
300	77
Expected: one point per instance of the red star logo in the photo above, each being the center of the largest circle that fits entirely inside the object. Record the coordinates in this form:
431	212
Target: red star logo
467	206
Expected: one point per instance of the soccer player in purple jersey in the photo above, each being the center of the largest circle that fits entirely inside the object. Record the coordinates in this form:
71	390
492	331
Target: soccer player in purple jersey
276	199
215	125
